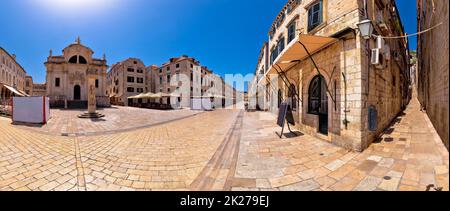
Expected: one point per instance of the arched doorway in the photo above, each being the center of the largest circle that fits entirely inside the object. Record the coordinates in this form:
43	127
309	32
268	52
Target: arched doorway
77	92
318	102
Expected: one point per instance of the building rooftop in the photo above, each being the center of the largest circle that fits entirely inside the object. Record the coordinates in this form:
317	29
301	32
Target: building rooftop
13	57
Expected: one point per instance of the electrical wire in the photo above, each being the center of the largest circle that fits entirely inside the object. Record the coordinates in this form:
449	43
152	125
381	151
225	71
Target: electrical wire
415	34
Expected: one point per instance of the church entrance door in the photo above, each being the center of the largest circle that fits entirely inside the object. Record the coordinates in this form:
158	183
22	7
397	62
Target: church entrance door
77	92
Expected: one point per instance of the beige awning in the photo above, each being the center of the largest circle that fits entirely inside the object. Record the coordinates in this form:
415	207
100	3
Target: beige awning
295	52
15	91
219	96
210	96
161	95
147	95
139	96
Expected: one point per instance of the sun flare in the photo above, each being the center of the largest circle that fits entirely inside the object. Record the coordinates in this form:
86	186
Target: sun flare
76	6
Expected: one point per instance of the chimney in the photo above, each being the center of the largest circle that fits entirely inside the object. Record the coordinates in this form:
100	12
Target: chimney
14	56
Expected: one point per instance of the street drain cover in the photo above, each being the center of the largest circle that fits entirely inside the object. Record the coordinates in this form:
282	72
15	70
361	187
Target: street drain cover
387	178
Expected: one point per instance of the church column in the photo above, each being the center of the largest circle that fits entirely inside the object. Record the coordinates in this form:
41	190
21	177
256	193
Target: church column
104	82
100	82
65	84
49	80
91	93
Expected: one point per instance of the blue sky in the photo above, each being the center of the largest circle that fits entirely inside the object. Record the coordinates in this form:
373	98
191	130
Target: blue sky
225	35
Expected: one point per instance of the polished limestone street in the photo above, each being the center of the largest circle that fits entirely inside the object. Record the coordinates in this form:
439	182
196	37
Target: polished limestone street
219	150
117	119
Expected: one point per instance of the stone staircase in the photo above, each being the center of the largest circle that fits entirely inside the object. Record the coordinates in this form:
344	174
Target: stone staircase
77	104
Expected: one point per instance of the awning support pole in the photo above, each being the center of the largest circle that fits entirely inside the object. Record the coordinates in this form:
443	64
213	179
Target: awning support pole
286	80
317	68
273	88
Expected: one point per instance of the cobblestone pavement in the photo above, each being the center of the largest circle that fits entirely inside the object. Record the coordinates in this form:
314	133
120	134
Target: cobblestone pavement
117	119
220	150
169	156
31	161
410	156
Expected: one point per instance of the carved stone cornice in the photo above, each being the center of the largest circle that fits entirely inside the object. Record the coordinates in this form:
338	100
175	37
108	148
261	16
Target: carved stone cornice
92	72
76	77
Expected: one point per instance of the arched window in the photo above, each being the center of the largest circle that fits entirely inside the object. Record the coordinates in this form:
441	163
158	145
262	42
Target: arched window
317	96
293	97
73	60
82	60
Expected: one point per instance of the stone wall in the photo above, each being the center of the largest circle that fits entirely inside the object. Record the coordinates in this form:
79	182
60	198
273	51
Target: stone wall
353	82
341	59
103	101
433	64
384	90
335	62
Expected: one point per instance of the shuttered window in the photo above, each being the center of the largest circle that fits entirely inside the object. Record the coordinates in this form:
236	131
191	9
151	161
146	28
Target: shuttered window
315	15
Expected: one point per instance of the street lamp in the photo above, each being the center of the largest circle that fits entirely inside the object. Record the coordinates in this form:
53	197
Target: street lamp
366	28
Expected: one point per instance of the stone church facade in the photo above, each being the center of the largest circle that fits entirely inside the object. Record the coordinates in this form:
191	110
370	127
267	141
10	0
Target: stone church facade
67	77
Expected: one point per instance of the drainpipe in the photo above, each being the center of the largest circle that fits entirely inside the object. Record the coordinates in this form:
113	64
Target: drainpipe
367	51
344	76
365	9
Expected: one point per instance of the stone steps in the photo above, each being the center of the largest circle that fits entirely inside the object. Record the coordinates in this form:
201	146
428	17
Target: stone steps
77	104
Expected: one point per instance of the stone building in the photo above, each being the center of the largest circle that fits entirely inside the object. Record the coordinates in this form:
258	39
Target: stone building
125	79
131	77
12	76
202	80
433	63
355	87
67	77
231	95
413	70
152	71
260	100
39	90
28	88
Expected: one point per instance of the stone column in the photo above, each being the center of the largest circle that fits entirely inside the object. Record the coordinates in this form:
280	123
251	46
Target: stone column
92	104
91	95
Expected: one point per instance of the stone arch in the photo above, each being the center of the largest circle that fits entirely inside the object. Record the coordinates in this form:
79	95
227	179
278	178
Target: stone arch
292	97
318	103
82	60
317	94
73	60
77	92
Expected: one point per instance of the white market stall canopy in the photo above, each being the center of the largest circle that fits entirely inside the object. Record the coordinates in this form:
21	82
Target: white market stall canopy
140	96
153	96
